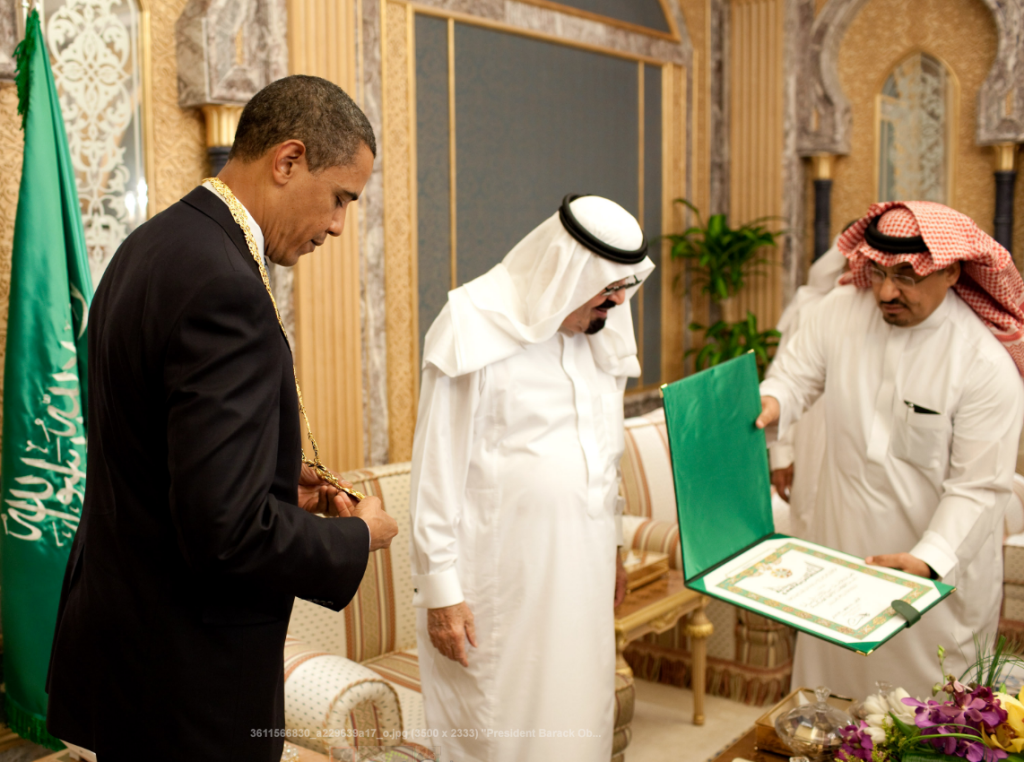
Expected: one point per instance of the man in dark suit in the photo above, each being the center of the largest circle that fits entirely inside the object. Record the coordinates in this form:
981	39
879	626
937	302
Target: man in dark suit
198	526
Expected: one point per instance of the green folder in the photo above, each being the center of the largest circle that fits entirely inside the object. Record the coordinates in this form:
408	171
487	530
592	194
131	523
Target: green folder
723	495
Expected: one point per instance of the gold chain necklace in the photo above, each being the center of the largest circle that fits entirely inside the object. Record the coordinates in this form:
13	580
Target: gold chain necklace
241	217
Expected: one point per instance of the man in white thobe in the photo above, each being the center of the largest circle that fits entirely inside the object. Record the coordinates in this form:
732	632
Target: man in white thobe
919	358
796	459
515	507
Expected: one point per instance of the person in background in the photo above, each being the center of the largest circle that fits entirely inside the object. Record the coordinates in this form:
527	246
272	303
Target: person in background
797	458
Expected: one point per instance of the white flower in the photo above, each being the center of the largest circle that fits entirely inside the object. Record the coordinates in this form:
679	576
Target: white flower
876	720
898	708
877	734
875	704
876	709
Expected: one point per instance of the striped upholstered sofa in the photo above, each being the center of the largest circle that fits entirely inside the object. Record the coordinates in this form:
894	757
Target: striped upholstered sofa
352	677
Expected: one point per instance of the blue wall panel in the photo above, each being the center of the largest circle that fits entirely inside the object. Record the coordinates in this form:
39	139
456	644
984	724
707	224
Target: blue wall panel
535	121
646	13
434	193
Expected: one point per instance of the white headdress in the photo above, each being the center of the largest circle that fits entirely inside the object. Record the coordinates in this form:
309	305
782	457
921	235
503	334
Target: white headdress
524	299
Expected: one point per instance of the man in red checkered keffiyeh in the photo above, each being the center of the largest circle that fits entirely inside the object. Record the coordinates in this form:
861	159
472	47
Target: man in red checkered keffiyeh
917	359
932	237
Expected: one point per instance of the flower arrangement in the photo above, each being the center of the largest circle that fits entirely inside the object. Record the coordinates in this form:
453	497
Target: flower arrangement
976	720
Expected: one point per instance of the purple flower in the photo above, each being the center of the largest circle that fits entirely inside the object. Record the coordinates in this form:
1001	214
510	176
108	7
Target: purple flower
978	709
967	712
982	708
857	743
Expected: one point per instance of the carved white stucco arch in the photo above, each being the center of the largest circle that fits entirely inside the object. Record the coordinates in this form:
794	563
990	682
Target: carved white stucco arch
824	117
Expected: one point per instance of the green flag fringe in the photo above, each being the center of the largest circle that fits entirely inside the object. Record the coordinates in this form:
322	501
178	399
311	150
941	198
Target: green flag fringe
29	726
22	55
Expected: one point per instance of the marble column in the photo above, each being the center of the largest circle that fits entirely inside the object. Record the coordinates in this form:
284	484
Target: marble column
1006	178
822	169
718	96
9	36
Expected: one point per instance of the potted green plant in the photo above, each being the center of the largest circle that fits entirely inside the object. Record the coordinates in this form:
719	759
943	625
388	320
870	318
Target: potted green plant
722	257
724	341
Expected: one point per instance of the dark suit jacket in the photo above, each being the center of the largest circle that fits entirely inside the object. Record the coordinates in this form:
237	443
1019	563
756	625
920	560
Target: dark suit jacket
191	548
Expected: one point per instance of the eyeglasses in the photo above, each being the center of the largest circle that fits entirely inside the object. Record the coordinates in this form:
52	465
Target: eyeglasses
900	280
613	289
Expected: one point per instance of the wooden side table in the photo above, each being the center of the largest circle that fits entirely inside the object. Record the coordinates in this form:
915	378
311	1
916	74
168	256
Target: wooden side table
745	748
657	607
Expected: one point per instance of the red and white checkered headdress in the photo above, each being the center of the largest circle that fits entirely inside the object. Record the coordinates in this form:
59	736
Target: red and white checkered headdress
989	282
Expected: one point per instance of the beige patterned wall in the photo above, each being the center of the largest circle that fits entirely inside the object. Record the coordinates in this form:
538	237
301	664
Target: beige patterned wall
10	179
400	227
962	34
177	147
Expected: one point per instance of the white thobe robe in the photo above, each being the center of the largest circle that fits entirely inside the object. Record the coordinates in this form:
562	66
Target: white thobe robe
804	444
515	510
895	480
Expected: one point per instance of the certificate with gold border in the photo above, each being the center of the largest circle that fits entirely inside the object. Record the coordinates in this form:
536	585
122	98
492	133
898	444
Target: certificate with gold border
832	594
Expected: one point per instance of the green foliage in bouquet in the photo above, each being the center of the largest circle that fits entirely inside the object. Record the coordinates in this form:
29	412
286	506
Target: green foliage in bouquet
724	341
976	721
990	665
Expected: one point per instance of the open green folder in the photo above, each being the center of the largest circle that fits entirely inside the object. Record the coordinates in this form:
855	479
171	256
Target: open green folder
730	548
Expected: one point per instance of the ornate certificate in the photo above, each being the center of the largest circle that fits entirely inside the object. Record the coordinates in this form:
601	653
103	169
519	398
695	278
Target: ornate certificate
820	590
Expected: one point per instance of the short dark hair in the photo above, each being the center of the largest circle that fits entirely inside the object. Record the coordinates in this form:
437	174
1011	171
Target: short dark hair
310	109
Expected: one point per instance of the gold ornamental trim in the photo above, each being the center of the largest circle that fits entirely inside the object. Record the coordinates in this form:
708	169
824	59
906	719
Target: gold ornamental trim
221	124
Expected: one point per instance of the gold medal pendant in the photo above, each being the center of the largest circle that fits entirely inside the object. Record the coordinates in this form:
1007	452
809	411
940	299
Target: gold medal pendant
238	213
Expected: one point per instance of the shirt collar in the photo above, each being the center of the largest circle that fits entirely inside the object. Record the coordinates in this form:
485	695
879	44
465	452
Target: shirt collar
939	315
257	233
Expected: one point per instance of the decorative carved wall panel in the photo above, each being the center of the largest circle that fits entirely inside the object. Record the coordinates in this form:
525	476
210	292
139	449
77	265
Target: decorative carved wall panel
916	110
228	50
963	36
175	153
94	51
825	115
1001	98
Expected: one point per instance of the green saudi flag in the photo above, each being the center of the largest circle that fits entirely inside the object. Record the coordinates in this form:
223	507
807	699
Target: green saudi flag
42	473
